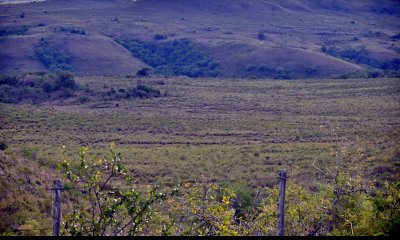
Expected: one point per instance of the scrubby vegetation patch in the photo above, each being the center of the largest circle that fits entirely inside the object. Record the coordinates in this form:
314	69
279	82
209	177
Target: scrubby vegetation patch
140	91
53	59
71	30
173	58
37	87
390	68
18	30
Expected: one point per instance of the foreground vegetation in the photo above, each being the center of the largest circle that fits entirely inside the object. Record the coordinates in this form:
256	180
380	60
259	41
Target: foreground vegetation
339	206
102	199
229	136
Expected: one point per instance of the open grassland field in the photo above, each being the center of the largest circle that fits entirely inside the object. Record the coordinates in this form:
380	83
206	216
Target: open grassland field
242	131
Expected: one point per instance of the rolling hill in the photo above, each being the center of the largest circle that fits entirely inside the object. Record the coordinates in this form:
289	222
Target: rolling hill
278	37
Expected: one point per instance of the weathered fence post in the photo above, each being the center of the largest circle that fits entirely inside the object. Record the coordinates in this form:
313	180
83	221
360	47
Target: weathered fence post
281	204
58	186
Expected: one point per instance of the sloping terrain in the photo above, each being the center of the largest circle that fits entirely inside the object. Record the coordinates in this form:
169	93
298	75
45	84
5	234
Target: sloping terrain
280	34
25	200
97	55
94	55
235	59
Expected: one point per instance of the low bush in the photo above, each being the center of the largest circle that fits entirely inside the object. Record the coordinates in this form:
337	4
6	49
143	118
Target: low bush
71	30
19	30
143	72
3	146
37	88
140	91
261	36
159	37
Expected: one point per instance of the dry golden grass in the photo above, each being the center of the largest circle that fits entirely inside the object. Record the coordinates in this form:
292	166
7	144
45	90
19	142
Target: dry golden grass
241	131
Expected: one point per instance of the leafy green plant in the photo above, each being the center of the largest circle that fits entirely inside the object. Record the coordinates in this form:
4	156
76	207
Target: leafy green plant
387	210
203	210
102	208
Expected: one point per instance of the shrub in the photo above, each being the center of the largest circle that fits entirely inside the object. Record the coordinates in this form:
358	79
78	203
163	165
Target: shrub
40	88
19	30
143	72
204	210
3	146
8	80
374	74
393	64
66	80
103	209
159	37
143	91
53	59
140	91
173	58
396	37
360	56
72	30
312	70
261	36
282	73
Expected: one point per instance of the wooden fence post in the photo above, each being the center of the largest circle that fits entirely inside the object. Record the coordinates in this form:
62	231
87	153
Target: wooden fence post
280	228
58	186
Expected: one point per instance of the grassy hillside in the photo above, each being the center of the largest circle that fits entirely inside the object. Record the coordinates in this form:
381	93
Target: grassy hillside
241	131
25	199
278	34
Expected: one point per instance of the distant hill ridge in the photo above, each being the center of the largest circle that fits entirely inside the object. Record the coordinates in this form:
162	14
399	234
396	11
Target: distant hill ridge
252	38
